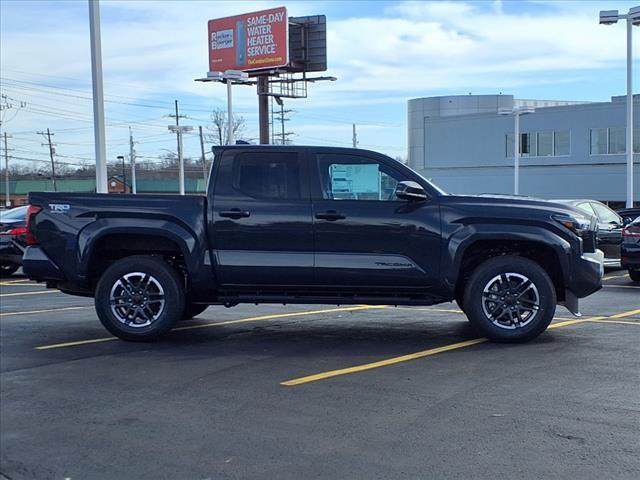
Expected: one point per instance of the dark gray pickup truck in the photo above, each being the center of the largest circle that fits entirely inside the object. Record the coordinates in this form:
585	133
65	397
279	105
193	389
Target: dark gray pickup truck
313	225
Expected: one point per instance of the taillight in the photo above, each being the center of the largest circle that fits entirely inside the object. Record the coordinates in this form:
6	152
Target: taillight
17	231
32	211
626	232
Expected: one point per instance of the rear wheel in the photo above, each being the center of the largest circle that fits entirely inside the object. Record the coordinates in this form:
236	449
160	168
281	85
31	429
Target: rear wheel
139	298
8	269
634	275
510	299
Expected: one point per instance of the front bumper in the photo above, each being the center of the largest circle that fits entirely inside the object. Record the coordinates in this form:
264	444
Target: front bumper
37	265
631	256
586	279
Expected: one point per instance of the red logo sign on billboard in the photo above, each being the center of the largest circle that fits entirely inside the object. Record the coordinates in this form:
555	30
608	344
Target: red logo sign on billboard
253	41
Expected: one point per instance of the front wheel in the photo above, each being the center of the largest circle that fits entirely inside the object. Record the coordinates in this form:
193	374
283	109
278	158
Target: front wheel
510	299
634	275
139	298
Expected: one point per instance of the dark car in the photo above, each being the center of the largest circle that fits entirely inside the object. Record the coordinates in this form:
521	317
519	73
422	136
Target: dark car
609	236
628	214
12	239
631	249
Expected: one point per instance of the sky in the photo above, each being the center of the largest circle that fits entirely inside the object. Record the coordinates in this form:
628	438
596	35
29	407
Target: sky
382	54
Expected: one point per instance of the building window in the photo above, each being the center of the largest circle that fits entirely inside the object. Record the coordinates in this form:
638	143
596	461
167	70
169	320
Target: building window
545	144
527	146
636	140
508	145
599	141
562	143
617	140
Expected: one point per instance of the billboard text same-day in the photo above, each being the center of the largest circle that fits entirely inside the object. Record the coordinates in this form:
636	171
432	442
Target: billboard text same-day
253	41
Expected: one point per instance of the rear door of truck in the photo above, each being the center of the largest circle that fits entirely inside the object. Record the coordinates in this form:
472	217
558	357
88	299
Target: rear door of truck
261	219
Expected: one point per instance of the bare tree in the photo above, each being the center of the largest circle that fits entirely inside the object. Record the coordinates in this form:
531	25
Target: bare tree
219	127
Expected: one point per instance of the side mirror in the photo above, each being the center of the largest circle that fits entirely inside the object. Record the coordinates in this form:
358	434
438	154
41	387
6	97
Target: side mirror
411	191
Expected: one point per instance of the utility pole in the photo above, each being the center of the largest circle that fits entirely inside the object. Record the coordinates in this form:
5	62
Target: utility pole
282	118
355	137
53	163
132	158
7	202
204	162
179	130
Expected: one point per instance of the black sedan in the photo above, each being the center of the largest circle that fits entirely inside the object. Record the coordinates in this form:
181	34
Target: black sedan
12	239
609	236
629	214
631	249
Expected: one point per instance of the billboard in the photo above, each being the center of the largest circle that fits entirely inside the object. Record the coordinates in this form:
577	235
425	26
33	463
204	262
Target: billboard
252	41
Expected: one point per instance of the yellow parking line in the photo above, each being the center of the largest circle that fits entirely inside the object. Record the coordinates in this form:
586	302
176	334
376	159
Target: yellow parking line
611	277
30	312
220	324
621	286
630	313
22	284
426	353
27	293
279	315
11	282
381	363
622	322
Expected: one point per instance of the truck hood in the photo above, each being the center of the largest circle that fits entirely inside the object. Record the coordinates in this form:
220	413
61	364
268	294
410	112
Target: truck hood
508	205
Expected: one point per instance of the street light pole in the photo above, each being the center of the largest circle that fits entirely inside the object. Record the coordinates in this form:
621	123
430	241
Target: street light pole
609	17
516	153
516	112
629	117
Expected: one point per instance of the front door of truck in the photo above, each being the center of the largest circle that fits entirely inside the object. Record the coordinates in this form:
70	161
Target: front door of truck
365	236
262	230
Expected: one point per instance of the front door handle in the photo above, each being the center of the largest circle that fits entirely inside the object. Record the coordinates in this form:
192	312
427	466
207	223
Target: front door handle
234	213
330	215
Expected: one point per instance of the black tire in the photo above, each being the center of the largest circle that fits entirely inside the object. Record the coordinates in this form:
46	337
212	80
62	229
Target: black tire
634	275
193	310
164	292
493	315
8	269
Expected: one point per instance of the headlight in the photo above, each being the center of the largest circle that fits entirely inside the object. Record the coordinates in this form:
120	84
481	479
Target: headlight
575	222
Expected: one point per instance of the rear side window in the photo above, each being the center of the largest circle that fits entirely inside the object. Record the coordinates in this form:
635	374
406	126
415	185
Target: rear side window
272	176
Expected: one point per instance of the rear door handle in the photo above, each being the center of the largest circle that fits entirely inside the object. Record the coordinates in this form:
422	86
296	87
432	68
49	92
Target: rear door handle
234	213
330	215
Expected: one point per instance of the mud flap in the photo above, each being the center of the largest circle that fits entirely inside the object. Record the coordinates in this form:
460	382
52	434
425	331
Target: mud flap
572	303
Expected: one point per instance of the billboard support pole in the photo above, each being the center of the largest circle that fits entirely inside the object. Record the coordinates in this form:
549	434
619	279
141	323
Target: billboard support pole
263	108
230	139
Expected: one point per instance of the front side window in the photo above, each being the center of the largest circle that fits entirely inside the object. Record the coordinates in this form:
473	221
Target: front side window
351	177
272	176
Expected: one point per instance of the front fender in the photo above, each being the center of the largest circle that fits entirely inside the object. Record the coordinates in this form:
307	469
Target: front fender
457	244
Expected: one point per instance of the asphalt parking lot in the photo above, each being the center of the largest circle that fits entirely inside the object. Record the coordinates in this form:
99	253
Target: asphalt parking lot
292	392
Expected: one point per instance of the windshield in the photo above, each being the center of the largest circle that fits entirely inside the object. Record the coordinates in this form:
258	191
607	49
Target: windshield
19	213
